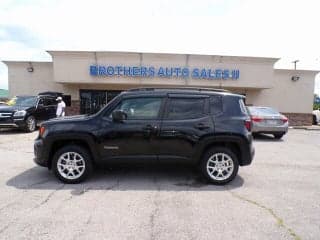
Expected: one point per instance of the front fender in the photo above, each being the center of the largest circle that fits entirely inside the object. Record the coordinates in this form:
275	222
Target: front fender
52	142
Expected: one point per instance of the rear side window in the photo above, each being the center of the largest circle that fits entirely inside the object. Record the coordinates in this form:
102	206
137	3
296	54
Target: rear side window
186	108
216	106
243	107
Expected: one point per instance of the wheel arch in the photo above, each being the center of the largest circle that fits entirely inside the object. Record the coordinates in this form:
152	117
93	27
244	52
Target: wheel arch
78	141
234	143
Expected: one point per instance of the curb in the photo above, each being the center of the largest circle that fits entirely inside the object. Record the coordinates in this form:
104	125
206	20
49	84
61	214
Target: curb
308	128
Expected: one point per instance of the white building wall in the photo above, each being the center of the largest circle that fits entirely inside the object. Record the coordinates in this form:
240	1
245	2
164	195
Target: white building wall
286	95
73	67
23	82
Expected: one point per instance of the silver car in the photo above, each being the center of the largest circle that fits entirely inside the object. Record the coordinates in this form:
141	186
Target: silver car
268	120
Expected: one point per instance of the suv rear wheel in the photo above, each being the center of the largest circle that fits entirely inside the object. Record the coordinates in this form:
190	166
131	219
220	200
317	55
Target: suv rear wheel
72	164
219	165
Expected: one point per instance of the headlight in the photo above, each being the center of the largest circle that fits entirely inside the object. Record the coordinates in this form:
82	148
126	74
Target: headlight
20	113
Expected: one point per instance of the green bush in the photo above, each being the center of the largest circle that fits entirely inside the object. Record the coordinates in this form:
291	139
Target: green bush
316	106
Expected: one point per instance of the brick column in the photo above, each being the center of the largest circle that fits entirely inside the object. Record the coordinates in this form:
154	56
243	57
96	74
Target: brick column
299	119
74	109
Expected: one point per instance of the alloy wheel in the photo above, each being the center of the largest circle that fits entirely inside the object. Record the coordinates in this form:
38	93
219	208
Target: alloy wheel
71	165
31	123
220	166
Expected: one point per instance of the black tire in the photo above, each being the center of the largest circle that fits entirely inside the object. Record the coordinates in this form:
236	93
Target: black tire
255	135
31	124
278	135
314	120
86	157
205	159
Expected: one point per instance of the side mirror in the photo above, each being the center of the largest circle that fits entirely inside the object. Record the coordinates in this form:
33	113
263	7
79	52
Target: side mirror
119	116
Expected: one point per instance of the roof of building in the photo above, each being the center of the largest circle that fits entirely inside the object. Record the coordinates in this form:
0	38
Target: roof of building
220	57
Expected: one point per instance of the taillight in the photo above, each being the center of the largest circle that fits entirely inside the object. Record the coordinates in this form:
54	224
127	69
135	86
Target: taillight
41	131
247	124
256	119
284	119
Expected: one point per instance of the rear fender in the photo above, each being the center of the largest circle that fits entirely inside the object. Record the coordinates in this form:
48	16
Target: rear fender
237	143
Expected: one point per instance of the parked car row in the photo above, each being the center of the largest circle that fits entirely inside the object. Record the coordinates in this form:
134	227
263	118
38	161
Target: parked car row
209	128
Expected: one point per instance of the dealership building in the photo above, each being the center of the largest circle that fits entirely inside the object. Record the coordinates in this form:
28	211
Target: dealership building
92	79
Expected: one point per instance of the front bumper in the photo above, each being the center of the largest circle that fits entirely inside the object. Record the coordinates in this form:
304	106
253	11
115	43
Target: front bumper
12	123
39	153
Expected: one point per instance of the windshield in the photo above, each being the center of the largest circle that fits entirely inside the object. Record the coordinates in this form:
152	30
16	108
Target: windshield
22	101
263	111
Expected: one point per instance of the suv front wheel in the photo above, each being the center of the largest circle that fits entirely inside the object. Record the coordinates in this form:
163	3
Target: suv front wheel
219	165
72	164
31	124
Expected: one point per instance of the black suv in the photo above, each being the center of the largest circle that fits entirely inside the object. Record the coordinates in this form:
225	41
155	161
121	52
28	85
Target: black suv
205	127
27	111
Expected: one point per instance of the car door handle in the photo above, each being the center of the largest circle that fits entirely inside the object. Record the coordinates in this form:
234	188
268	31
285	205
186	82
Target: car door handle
201	126
169	133
150	128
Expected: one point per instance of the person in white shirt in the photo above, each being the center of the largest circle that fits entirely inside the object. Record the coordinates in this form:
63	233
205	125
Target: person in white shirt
60	107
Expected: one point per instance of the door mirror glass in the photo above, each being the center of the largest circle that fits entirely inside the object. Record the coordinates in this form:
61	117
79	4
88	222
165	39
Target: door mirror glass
40	105
119	116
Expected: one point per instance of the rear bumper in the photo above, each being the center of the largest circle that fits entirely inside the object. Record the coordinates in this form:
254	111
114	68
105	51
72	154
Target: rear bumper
40	157
271	129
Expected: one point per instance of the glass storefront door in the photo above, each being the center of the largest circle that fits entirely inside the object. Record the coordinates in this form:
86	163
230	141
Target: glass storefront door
91	101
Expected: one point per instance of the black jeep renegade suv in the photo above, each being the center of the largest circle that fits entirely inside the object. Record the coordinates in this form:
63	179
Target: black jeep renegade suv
206	127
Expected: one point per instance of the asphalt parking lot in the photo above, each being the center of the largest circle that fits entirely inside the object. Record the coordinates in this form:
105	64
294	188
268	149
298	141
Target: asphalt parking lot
277	197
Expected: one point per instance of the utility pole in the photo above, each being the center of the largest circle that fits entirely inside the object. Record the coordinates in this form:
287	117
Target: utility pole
295	64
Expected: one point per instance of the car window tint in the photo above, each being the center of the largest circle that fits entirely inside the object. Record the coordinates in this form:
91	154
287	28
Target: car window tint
262	111
41	101
140	108
49	101
52	101
185	108
216	106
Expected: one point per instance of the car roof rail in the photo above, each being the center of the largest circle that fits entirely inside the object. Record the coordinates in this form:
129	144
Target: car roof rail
179	88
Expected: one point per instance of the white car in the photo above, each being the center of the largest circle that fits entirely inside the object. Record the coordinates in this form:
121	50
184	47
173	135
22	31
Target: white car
316	116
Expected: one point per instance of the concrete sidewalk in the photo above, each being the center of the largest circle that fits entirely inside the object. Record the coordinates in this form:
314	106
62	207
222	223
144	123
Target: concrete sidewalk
312	127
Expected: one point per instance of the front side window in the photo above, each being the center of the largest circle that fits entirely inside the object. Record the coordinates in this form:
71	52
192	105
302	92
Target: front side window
186	108
140	108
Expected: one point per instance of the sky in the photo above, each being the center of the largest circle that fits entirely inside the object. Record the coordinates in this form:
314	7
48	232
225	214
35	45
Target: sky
287	29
